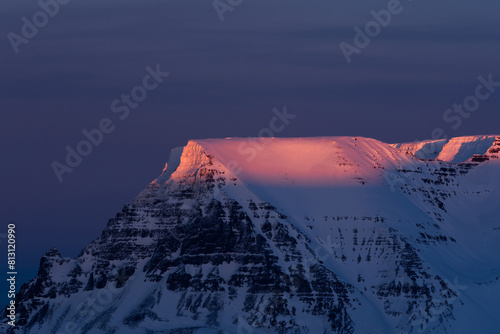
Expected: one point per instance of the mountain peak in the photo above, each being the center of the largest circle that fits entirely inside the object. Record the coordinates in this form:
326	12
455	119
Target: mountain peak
290	235
279	160
316	160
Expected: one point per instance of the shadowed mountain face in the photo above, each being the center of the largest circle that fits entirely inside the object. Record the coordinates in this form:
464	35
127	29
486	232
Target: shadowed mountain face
306	235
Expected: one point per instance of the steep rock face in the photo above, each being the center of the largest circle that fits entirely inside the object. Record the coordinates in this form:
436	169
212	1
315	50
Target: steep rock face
352	236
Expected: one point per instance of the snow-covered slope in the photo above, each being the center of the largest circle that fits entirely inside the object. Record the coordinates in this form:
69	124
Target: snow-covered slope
458	149
299	235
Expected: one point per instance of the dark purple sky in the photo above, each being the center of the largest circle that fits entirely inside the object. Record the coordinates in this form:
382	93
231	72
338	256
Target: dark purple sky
225	79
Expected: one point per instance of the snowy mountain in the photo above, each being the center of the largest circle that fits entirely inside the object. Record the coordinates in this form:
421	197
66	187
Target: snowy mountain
457	149
303	235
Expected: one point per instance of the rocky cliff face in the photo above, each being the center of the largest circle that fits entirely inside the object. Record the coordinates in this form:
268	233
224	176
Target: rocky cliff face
323	235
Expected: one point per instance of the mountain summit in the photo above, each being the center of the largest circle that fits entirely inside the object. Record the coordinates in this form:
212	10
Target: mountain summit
298	235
